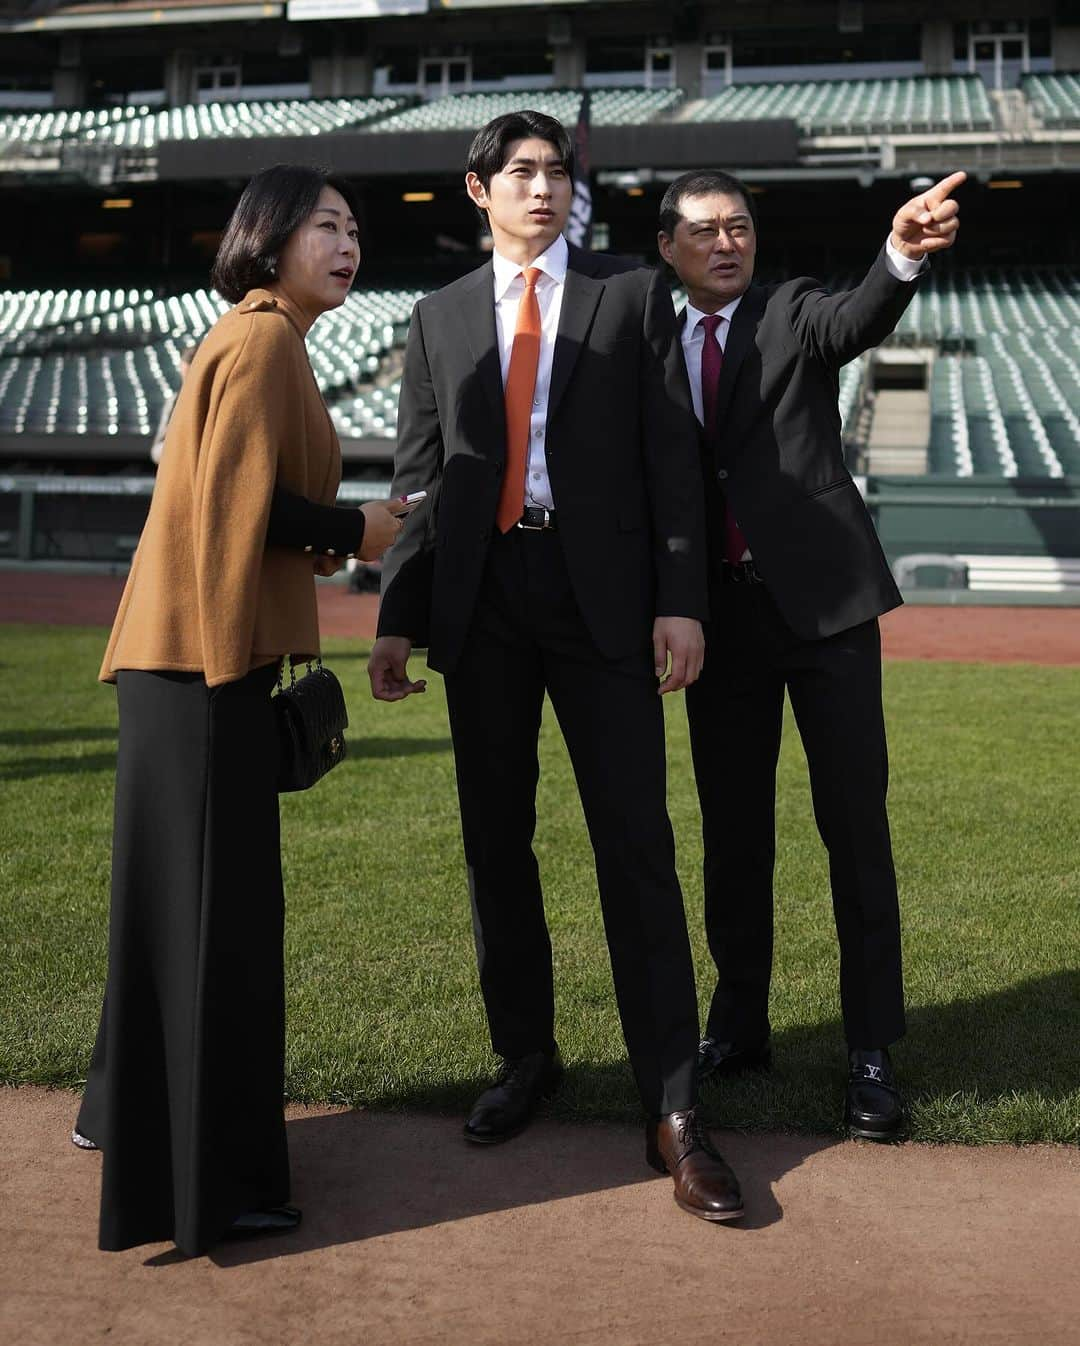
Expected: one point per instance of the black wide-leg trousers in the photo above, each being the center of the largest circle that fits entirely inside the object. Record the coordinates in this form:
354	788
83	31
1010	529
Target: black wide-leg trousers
185	1091
735	713
528	637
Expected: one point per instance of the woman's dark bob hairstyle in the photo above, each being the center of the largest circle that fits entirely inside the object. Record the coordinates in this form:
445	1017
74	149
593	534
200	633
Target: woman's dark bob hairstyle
275	202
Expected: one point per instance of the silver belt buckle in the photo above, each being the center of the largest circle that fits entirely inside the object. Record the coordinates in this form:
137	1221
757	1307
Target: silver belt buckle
535	518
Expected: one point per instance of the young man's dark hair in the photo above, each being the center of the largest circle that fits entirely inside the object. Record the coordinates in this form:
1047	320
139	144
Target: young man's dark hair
491	145
704	183
275	202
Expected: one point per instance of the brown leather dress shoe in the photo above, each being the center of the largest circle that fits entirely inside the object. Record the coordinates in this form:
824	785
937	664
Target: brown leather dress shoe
704	1185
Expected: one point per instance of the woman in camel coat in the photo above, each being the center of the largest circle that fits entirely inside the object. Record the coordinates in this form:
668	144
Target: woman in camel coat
185	1092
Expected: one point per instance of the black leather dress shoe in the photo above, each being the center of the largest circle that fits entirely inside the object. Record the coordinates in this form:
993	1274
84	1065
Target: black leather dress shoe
508	1106
276	1220
875	1107
720	1059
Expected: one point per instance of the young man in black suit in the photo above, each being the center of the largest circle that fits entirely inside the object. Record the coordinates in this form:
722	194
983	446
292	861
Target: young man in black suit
561	550
797	583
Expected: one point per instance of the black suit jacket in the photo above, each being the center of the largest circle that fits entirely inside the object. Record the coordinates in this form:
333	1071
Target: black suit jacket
622	453
779	458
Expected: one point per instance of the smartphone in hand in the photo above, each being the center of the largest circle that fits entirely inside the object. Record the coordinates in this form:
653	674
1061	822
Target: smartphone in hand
405	504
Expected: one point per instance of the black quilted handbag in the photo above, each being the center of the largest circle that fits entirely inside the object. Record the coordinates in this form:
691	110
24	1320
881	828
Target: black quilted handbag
311	722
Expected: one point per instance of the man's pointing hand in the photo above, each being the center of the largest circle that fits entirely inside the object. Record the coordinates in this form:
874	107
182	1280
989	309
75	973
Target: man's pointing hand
928	222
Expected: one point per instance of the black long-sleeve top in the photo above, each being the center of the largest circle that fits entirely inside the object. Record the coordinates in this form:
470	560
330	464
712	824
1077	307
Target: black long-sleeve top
328	530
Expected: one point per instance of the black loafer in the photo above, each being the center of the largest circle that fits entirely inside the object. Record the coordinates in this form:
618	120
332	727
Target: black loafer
875	1107
507	1108
717	1060
276	1220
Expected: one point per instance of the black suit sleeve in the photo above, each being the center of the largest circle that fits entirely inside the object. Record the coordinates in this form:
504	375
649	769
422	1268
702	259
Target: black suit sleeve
408	569
835	328
296	521
672	465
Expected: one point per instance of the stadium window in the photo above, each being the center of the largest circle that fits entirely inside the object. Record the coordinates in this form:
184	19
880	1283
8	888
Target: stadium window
217	76
442	75
1001	51
715	68
659	68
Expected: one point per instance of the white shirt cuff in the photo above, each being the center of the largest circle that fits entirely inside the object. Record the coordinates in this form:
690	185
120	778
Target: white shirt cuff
901	267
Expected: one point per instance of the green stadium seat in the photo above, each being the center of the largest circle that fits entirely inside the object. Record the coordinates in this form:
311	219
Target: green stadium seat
1055	99
858	107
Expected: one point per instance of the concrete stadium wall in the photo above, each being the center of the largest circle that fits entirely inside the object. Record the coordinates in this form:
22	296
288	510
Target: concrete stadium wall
436	152
985	515
100	518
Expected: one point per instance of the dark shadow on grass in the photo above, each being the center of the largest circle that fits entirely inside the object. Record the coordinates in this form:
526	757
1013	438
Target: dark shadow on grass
1021	1040
19	738
364	746
31	768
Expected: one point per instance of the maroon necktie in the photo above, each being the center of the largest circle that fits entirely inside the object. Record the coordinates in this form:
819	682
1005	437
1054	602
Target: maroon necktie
712	361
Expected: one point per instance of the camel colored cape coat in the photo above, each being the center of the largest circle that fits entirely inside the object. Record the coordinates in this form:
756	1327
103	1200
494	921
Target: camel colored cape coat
205	593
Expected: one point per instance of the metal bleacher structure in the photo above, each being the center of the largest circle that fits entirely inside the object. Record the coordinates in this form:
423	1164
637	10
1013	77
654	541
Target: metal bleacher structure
1001	349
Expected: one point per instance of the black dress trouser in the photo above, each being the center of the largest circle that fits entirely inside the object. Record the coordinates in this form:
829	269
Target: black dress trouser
735	712
527	637
185	1092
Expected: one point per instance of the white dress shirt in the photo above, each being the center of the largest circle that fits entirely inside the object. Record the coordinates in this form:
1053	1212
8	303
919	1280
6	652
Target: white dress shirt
693	334
509	287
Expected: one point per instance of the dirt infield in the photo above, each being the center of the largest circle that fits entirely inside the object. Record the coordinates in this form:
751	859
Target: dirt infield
563	1236
975	634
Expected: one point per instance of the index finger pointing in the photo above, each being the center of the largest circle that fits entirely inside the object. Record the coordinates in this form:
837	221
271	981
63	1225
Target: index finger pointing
940	190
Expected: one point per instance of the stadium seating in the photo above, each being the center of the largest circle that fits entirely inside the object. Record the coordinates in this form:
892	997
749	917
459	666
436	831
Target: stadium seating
469	111
100	362
852	377
146	127
858	107
982	300
103	362
1055	99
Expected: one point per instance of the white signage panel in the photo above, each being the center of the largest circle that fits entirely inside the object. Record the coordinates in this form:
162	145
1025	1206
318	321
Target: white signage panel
354	9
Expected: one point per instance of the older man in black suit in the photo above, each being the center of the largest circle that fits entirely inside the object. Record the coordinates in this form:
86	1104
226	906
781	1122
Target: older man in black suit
797	583
561	550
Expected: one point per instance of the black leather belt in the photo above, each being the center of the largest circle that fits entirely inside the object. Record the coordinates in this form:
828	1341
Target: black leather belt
739	572
536	518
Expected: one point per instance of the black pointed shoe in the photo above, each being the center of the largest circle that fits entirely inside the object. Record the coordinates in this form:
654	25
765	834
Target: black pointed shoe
875	1107
717	1060
507	1108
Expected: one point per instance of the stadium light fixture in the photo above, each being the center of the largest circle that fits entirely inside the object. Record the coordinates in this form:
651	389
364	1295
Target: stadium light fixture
117	203
635	191
1004	184
413	197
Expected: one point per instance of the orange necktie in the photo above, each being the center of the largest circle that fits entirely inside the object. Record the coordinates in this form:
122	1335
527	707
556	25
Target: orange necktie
520	386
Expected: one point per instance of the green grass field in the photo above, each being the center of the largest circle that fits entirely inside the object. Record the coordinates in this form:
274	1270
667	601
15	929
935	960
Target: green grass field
383	1005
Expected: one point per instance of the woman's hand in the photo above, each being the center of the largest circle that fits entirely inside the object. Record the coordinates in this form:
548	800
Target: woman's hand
380	530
